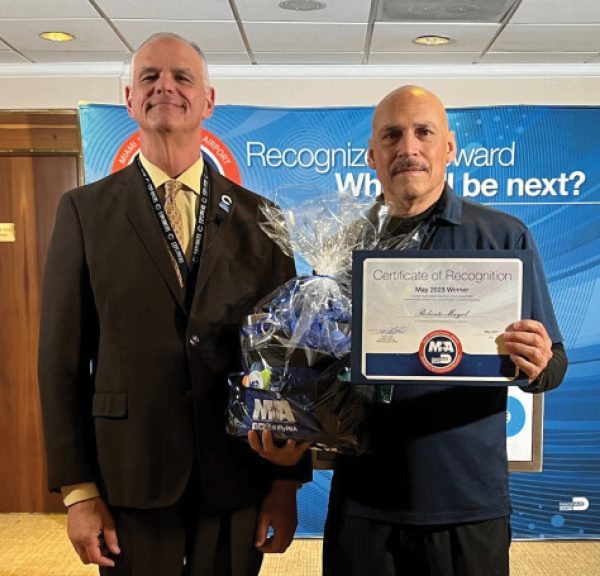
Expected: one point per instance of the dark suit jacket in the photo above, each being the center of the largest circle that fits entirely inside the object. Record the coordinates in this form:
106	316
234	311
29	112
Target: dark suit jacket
133	380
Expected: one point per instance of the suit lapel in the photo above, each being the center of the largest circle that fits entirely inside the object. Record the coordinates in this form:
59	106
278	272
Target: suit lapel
139	211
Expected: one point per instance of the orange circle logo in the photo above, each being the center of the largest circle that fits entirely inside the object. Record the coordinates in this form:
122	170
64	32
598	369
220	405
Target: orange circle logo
214	150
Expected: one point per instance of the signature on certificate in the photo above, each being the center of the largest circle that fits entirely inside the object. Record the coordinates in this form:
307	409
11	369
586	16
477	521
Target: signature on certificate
390	330
453	313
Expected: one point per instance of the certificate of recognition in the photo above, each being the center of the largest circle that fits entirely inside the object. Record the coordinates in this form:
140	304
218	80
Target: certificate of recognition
436	316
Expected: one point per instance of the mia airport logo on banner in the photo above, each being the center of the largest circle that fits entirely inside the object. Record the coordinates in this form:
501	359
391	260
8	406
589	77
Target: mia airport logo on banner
440	351
214	151
577	504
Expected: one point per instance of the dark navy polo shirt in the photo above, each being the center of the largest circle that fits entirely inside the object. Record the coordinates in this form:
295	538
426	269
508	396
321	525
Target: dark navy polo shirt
438	453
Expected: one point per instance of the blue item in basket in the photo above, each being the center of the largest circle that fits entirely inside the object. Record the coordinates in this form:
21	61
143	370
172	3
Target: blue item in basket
293	315
284	416
318	406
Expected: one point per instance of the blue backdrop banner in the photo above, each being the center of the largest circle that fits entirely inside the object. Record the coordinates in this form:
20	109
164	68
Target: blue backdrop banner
541	164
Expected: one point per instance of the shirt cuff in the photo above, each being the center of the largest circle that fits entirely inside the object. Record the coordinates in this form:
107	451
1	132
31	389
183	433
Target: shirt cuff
74	493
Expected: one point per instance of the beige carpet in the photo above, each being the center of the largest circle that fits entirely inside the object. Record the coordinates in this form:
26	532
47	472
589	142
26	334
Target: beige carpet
37	545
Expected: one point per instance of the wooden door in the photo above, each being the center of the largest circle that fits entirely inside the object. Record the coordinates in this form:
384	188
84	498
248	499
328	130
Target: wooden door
30	187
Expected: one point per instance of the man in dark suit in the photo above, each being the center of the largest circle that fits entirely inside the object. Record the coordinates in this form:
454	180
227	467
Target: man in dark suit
149	274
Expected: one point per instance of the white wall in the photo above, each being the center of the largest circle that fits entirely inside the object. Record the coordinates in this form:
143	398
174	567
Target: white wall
24	93
454	92
21	92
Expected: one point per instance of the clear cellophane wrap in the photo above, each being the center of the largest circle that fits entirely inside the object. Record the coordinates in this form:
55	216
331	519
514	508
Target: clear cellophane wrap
296	343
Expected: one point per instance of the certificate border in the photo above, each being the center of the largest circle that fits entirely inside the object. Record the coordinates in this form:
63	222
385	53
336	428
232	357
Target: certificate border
358	259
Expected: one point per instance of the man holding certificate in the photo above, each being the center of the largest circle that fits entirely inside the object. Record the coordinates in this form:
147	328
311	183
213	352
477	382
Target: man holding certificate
431	498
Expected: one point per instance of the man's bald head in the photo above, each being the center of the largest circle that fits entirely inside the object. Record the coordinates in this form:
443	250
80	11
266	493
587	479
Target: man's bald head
410	148
404	95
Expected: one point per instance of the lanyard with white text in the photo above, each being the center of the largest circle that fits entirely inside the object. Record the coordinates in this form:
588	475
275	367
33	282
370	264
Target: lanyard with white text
165	225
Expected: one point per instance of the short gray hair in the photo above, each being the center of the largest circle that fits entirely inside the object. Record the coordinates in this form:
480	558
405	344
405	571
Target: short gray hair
173	36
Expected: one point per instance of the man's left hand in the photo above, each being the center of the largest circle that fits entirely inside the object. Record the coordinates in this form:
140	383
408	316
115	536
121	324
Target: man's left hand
278	512
529	346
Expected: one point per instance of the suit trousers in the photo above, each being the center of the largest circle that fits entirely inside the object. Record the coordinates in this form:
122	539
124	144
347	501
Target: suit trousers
356	546
185	539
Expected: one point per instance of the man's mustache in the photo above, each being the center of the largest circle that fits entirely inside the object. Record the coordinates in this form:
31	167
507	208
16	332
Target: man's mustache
407	164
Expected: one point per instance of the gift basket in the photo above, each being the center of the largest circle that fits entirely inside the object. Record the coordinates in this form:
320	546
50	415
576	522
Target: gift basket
296	343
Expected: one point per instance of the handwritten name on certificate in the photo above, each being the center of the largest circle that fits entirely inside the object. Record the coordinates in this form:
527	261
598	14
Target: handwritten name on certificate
432	319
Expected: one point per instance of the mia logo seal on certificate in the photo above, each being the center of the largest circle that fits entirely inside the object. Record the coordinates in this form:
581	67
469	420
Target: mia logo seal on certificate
440	351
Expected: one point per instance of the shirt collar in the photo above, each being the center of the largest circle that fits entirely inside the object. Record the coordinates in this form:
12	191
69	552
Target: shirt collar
190	178
449	206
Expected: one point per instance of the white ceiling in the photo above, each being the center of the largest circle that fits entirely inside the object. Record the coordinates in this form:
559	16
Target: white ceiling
358	34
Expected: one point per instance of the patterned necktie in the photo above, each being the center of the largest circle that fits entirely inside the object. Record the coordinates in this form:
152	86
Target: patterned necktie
172	188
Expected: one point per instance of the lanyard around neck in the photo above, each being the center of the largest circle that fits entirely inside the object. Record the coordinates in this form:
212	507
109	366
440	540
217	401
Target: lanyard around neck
165	225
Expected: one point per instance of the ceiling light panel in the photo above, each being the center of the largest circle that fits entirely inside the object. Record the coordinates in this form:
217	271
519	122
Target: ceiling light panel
305	37
302	5
23	9
57	36
93	35
336	11
391	37
210	36
566	12
431	40
173	10
546	38
489	11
